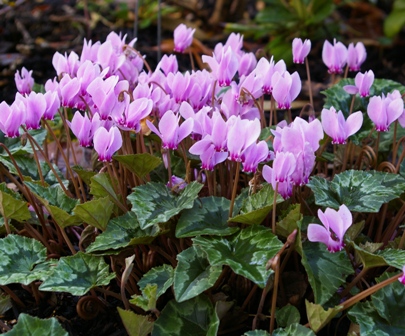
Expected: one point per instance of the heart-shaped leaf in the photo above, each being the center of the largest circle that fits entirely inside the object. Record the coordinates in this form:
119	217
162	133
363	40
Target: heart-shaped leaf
381	315
319	317
294	329
78	274
246	252
153	203
326	271
140	164
29	325
195	317
13	208
208	216
360	191
121	232
162	276
96	212
193	274
135	325
257	206
22	260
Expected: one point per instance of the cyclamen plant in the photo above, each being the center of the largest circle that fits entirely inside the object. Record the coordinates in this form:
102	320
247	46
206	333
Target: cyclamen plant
224	220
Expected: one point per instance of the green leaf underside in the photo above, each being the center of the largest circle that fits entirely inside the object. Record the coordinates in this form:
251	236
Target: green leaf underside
246	252
193	274
12	208
96	212
326	271
194	317
84	174
256	207
360	191
135	325
290	222
208	216
162	276
78	274
147	301
140	164
33	326
121	232
154	203
319	317
22	260
382	315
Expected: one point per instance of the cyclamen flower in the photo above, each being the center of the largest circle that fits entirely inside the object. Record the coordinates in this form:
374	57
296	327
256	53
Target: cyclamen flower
334	56
36	106
339	129
24	81
300	50
279	176
84	128
383	111
363	83
335	224
356	55
286	88
253	155
183	37
169	130
11	118
106	143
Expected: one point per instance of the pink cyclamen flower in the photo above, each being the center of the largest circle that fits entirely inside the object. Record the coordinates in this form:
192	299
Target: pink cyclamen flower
169	130
339	129
356	55
36	107
334	56
279	176
401	279
286	88
253	155
84	128
331	233
363	83
11	118
24	81
106	143
383	111
183	37
300	50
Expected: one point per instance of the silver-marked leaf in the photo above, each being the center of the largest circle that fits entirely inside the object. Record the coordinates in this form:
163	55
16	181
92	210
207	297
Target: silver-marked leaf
382	314
153	203
326	271
294	329
96	212
78	274
360	191
135	325
257	206
193	274
208	216
246	252
162	276
394	258
195	317
121	232
13	208
20	260
33	326
53	196
140	164
367	257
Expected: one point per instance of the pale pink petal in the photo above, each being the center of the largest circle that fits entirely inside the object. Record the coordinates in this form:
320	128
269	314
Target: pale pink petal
353	123
318	233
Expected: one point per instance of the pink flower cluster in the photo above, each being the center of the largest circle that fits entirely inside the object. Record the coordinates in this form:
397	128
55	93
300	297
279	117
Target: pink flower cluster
294	147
